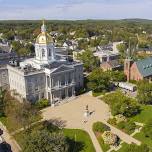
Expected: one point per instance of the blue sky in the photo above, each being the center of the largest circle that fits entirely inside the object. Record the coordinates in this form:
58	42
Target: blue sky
75	9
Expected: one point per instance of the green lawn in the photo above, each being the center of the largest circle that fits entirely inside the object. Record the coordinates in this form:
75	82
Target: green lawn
104	146
144	116
96	94
123	148
82	139
145	140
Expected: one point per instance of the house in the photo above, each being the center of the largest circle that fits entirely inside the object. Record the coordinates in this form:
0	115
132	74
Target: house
138	70
143	51
71	45
76	53
109	60
106	56
111	65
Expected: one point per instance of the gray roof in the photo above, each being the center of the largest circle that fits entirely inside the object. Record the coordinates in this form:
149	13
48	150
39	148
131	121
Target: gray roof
145	66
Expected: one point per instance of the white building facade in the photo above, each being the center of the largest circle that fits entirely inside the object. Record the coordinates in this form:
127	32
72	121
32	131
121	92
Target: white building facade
45	76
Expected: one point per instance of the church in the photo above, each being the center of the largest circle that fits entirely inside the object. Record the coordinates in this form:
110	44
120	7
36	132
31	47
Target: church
46	75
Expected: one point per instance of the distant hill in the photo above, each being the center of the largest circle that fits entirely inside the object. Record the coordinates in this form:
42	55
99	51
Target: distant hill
138	20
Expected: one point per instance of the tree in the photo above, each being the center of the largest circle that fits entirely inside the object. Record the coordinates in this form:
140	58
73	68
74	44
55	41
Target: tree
147	129
9	35
117	76
43	141
98	81
16	45
23	51
144	94
122	49
2	105
90	62
20	114
120	104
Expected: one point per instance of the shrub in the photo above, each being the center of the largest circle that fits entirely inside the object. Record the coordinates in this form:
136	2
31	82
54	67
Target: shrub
112	121
100	127
42	103
130	127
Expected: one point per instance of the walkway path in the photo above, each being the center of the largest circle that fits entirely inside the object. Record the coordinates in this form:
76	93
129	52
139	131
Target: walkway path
9	139
123	136
71	115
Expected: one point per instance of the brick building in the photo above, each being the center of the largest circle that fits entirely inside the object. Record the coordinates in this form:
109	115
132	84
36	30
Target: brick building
139	70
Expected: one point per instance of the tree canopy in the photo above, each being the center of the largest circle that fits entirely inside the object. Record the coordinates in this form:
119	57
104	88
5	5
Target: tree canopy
90	62
44	141
144	94
121	104
98	81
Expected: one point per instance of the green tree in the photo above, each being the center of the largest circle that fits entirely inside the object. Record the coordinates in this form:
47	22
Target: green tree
89	61
98	81
2	104
43	141
9	35
144	94
120	104
122	49
23	51
117	76
20	114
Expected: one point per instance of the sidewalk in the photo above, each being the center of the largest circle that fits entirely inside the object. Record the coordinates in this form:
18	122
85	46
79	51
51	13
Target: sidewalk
9	139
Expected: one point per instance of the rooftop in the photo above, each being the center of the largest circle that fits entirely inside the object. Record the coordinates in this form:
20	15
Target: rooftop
105	53
145	66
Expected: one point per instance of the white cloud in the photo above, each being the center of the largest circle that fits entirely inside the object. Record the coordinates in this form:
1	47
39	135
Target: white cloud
80	10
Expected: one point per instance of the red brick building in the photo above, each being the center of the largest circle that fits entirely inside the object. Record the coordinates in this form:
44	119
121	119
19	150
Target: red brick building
139	70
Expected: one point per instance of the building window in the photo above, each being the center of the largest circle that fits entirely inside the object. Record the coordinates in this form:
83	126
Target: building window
43	52
49	52
48	81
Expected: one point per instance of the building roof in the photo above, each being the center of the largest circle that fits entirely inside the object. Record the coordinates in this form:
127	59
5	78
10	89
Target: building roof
105	53
112	64
145	66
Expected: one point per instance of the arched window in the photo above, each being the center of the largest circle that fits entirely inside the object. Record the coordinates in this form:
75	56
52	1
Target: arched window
43	52
49	52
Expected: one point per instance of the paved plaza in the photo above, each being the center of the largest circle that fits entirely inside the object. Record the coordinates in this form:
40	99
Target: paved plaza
71	115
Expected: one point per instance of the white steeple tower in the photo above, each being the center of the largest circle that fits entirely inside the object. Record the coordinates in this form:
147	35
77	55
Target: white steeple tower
44	47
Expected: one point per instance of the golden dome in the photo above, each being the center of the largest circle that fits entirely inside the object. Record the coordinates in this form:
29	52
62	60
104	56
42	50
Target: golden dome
44	37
